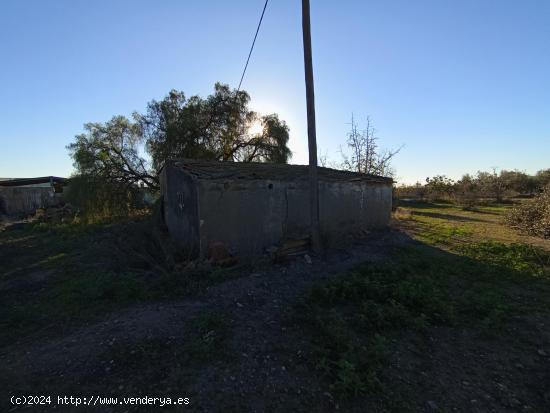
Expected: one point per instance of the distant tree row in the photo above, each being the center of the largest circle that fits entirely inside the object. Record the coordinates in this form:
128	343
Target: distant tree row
470	189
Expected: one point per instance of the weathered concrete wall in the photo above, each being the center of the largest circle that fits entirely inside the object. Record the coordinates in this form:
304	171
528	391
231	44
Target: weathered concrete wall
350	208
246	216
180	208
21	200
251	215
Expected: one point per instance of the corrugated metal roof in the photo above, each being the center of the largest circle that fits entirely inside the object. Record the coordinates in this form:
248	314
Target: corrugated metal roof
31	181
216	170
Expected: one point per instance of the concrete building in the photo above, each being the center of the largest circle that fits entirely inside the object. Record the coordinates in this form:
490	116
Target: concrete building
251	206
23	196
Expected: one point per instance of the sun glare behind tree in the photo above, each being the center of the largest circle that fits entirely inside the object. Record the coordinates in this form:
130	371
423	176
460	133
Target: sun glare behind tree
256	127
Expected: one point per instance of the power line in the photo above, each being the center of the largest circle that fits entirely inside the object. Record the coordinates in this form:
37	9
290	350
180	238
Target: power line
253	42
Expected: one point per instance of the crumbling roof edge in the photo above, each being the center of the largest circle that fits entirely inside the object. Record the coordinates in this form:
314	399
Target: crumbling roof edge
214	170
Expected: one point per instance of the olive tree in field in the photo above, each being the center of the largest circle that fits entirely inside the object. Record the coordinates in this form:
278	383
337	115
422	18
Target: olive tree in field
491	184
440	187
518	182
542	178
365	154
467	191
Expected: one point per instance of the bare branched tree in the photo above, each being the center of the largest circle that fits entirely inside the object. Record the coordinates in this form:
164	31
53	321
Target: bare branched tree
323	158
366	157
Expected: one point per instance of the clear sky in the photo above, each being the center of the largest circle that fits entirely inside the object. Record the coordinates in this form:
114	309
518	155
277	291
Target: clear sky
464	85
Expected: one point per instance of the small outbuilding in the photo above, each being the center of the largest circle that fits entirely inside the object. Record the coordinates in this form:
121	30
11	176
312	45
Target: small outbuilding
249	207
23	196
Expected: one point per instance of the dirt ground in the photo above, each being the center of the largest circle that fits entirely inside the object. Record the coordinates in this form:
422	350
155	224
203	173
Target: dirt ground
263	371
236	347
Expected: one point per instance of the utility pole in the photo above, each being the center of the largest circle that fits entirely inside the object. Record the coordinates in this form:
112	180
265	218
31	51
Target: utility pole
311	134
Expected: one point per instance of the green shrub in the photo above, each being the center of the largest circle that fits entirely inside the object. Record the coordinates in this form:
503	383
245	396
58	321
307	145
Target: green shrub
97	200
513	257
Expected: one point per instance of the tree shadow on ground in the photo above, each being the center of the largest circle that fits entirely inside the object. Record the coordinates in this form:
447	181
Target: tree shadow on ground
448	217
423	204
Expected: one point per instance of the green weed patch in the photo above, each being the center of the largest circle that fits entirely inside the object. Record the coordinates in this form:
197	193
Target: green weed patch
352	319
